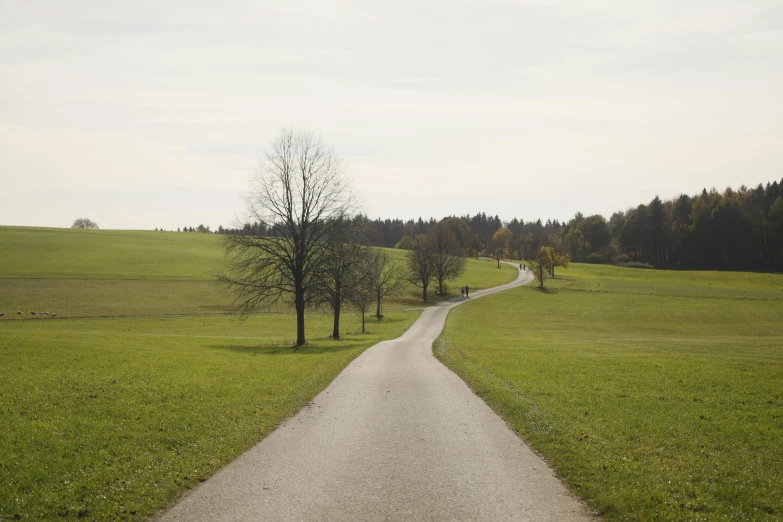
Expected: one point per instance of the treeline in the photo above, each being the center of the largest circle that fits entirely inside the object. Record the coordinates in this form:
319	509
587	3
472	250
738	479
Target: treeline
731	230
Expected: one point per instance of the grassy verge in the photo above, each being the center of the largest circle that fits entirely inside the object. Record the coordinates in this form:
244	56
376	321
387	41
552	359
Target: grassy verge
655	395
112	419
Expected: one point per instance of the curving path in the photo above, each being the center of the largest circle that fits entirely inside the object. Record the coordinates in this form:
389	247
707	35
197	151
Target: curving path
396	436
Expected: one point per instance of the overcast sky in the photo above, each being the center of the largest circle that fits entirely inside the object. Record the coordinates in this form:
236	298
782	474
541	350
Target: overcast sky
152	114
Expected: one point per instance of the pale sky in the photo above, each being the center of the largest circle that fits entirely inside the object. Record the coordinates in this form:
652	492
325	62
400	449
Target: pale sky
152	114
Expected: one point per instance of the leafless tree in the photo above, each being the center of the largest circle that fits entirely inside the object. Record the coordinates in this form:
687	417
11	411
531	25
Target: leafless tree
344	266
299	194
85	223
386	277
448	260
362	295
420	264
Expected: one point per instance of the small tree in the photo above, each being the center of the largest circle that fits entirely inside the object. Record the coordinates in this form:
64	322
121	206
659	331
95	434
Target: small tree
405	243
85	224
420	264
501	244
386	278
448	262
363	299
540	266
363	294
344	266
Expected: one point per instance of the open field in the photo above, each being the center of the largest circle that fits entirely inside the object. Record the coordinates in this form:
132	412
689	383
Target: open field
655	395
112	273
144	385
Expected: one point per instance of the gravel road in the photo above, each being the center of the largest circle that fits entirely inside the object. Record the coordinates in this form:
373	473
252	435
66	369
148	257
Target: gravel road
396	436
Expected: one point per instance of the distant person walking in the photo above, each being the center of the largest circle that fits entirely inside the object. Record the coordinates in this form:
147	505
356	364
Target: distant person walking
462	291
467	291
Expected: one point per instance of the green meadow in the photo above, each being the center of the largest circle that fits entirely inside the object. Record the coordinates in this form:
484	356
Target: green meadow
655	395
113	419
112	273
145	384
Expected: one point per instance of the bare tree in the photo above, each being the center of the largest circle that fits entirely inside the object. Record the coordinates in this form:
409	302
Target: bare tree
344	266
420	264
386	277
363	293
85	223
299	194
448	262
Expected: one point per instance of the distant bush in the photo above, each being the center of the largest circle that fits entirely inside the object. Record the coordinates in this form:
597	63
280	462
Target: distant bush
406	243
635	264
596	258
85	223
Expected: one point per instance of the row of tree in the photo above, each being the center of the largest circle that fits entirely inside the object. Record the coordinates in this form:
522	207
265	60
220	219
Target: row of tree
733	230
303	244
305	249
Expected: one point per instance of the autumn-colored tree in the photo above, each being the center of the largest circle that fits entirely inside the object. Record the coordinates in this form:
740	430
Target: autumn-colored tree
501	244
540	266
560	259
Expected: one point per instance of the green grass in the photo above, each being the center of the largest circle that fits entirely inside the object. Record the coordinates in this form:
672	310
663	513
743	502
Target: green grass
144	385
109	254
114	273
676	379
112	419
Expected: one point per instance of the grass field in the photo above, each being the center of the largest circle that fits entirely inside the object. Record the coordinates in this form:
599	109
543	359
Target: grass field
655	395
144	385
112	419
113	273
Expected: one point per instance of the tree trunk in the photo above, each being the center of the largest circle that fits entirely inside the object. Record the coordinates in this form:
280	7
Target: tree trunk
498	262
440	286
336	329
378	308
362	321
299	303
424	292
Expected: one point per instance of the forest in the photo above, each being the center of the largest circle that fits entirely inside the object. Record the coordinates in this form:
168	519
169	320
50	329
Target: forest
738	229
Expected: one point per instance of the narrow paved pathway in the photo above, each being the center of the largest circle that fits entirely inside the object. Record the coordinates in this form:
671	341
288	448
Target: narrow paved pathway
396	436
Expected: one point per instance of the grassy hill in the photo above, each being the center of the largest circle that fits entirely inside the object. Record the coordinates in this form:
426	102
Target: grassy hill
656	395
28	252
114	273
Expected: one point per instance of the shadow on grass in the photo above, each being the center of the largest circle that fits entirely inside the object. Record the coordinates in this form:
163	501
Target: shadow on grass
317	347
545	290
